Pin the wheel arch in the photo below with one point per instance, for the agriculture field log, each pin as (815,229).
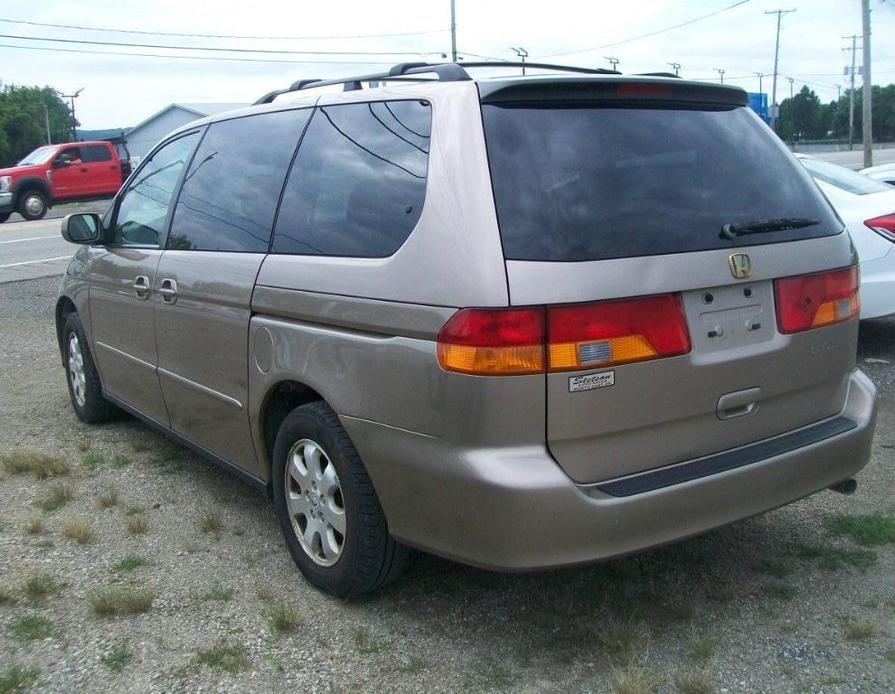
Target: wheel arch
(64,308)
(31,183)
(281,398)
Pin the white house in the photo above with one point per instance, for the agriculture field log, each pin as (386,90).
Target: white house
(145,135)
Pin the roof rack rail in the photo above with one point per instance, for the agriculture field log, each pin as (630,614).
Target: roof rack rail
(446,72)
(658,74)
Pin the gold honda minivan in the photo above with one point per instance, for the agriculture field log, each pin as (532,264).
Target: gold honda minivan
(517,321)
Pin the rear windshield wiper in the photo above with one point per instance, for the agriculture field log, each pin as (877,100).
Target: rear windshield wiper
(763,226)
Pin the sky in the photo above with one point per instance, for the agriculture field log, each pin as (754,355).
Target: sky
(122,90)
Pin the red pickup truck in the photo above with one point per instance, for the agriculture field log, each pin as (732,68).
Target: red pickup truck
(57,173)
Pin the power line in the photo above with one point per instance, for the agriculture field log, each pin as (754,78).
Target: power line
(199,57)
(221,36)
(211,48)
(649,34)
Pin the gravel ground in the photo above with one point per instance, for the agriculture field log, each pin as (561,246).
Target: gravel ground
(776,603)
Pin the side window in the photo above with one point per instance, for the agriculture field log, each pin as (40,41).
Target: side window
(229,196)
(143,207)
(359,181)
(72,153)
(93,153)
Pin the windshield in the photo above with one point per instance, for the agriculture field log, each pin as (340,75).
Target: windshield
(846,179)
(590,182)
(39,156)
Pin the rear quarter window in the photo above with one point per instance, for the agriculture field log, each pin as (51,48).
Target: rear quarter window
(94,153)
(594,183)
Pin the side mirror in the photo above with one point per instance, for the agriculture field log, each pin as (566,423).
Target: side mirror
(82,228)
(62,161)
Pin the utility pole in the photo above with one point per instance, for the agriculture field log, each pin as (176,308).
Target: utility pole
(453,31)
(676,67)
(838,92)
(74,120)
(721,71)
(867,95)
(522,53)
(612,61)
(760,76)
(851,92)
(779,14)
(47,123)
(792,112)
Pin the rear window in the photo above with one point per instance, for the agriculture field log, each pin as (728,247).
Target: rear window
(594,183)
(92,153)
(846,179)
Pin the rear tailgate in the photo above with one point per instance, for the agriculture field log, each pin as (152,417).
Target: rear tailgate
(620,189)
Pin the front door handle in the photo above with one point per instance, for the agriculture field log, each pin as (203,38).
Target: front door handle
(168,290)
(141,287)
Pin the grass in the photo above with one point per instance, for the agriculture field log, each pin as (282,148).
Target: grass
(210,523)
(119,601)
(139,446)
(633,679)
(281,618)
(57,496)
(226,656)
(773,568)
(703,647)
(869,530)
(78,530)
(17,678)
(414,666)
(219,593)
(93,461)
(366,644)
(41,465)
(859,629)
(890,655)
(836,559)
(6,596)
(34,525)
(695,682)
(108,498)
(623,637)
(136,525)
(118,657)
(781,591)
(134,510)
(129,563)
(38,586)
(119,461)
(31,628)
(264,593)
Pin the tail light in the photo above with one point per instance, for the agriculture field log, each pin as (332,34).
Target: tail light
(812,301)
(514,341)
(884,226)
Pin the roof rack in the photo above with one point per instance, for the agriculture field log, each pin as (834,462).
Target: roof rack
(445,72)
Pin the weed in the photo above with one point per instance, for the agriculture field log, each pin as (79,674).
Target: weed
(108,498)
(45,544)
(134,510)
(139,446)
(93,461)
(366,644)
(264,593)
(17,678)
(136,525)
(890,655)
(868,529)
(414,666)
(129,563)
(781,591)
(695,682)
(219,593)
(773,568)
(634,679)
(835,559)
(120,600)
(118,657)
(858,629)
(6,596)
(210,523)
(281,618)
(41,465)
(34,525)
(189,547)
(77,529)
(703,647)
(31,628)
(38,586)
(57,496)
(623,637)
(229,657)
(119,461)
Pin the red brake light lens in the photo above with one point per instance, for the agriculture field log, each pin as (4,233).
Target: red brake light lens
(884,226)
(813,301)
(493,342)
(615,332)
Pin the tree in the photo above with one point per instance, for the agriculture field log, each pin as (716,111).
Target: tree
(22,120)
(802,117)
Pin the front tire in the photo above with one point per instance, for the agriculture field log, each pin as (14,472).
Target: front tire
(33,205)
(328,510)
(84,387)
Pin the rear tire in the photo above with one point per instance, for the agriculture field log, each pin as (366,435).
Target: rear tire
(321,487)
(33,205)
(4,216)
(84,387)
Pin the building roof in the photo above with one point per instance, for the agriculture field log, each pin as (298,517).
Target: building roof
(200,109)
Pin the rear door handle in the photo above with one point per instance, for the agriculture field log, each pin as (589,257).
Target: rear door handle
(141,287)
(168,290)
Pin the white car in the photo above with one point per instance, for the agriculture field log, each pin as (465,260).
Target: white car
(883,172)
(867,207)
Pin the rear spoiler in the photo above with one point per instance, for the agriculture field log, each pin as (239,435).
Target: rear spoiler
(655,90)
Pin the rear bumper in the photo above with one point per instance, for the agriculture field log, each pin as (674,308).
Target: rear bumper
(878,286)
(515,509)
(6,202)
